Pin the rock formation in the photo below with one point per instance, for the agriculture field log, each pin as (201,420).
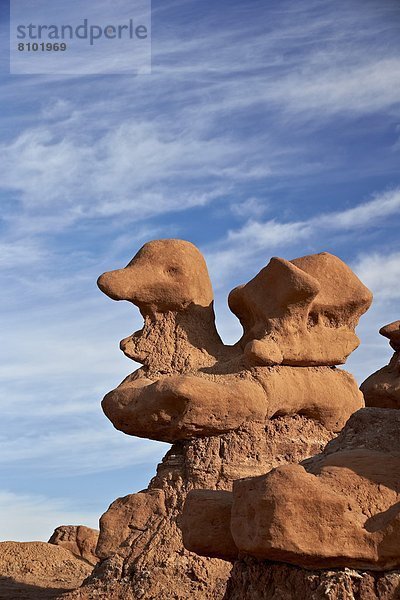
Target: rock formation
(383,387)
(301,312)
(191,381)
(236,411)
(80,540)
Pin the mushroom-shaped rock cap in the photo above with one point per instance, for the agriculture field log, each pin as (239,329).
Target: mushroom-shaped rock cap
(164,275)
(322,283)
(300,312)
(392,331)
(341,294)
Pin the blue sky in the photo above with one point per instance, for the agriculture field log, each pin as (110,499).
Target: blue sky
(265,129)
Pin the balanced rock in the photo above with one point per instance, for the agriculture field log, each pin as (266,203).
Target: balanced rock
(392,332)
(338,509)
(382,389)
(80,540)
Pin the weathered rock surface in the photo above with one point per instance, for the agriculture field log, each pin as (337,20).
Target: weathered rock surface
(206,524)
(37,570)
(255,580)
(340,508)
(301,312)
(184,406)
(382,388)
(80,540)
(127,518)
(392,332)
(151,561)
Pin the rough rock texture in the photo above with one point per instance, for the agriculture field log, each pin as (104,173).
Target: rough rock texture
(254,580)
(392,332)
(301,312)
(151,562)
(36,570)
(340,508)
(126,517)
(80,540)
(383,387)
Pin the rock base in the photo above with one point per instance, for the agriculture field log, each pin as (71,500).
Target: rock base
(253,580)
(150,561)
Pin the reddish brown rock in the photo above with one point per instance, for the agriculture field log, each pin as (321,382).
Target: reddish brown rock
(37,570)
(228,415)
(182,407)
(207,531)
(127,518)
(169,282)
(338,509)
(152,562)
(301,312)
(80,540)
(392,332)
(382,389)
(256,580)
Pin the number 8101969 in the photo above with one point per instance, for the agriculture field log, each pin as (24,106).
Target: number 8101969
(42,47)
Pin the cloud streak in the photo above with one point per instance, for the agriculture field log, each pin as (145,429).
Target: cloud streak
(29,518)
(264,237)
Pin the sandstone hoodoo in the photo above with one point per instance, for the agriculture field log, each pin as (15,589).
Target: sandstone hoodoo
(273,398)
(383,387)
(191,384)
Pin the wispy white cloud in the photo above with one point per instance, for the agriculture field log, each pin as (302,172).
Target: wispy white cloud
(372,212)
(138,168)
(88,160)
(78,451)
(381,273)
(28,517)
(21,254)
(265,237)
(251,206)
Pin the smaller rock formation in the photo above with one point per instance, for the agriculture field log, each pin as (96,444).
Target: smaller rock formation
(126,519)
(301,312)
(382,388)
(338,509)
(78,539)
